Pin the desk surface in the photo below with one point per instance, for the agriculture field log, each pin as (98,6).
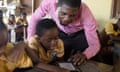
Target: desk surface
(103,67)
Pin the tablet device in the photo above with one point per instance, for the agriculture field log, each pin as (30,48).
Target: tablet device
(67,65)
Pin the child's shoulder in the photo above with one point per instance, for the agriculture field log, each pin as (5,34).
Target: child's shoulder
(9,46)
(34,38)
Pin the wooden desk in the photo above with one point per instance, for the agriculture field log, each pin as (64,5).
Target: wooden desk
(103,67)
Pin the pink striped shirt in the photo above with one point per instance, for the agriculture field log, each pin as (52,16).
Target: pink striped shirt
(85,20)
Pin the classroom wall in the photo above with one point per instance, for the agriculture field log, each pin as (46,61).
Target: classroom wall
(101,9)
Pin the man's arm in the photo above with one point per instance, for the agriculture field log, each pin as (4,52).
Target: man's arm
(40,12)
(90,27)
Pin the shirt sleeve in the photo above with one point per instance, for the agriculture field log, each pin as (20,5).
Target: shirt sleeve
(40,12)
(90,27)
(24,61)
(9,47)
(33,43)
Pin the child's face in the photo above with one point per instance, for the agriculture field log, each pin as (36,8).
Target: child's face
(49,37)
(3,41)
(23,16)
(12,18)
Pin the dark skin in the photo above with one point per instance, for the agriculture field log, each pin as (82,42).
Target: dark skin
(22,16)
(78,58)
(11,19)
(14,52)
(48,40)
(67,15)
(3,41)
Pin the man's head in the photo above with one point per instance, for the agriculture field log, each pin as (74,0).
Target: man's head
(3,38)
(47,31)
(23,15)
(68,10)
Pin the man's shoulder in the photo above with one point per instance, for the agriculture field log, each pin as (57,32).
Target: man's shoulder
(50,2)
(83,5)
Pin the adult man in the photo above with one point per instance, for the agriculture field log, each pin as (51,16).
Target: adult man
(77,27)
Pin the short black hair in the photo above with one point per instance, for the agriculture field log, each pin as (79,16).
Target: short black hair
(44,24)
(71,3)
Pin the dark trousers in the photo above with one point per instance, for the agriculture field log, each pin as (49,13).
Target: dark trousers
(73,42)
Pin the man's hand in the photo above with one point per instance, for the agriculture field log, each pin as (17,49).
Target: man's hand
(78,58)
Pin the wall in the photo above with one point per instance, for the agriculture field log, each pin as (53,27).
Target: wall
(37,3)
(101,9)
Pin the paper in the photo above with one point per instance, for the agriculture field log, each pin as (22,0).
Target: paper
(68,66)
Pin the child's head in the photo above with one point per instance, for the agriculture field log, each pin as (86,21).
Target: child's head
(47,31)
(12,18)
(3,37)
(23,15)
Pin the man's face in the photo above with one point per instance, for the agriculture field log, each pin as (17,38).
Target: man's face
(3,41)
(67,14)
(49,37)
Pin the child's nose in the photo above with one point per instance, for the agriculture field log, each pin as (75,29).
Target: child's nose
(53,44)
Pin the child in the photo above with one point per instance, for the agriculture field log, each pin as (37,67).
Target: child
(113,30)
(22,19)
(11,27)
(46,46)
(11,57)
(16,31)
